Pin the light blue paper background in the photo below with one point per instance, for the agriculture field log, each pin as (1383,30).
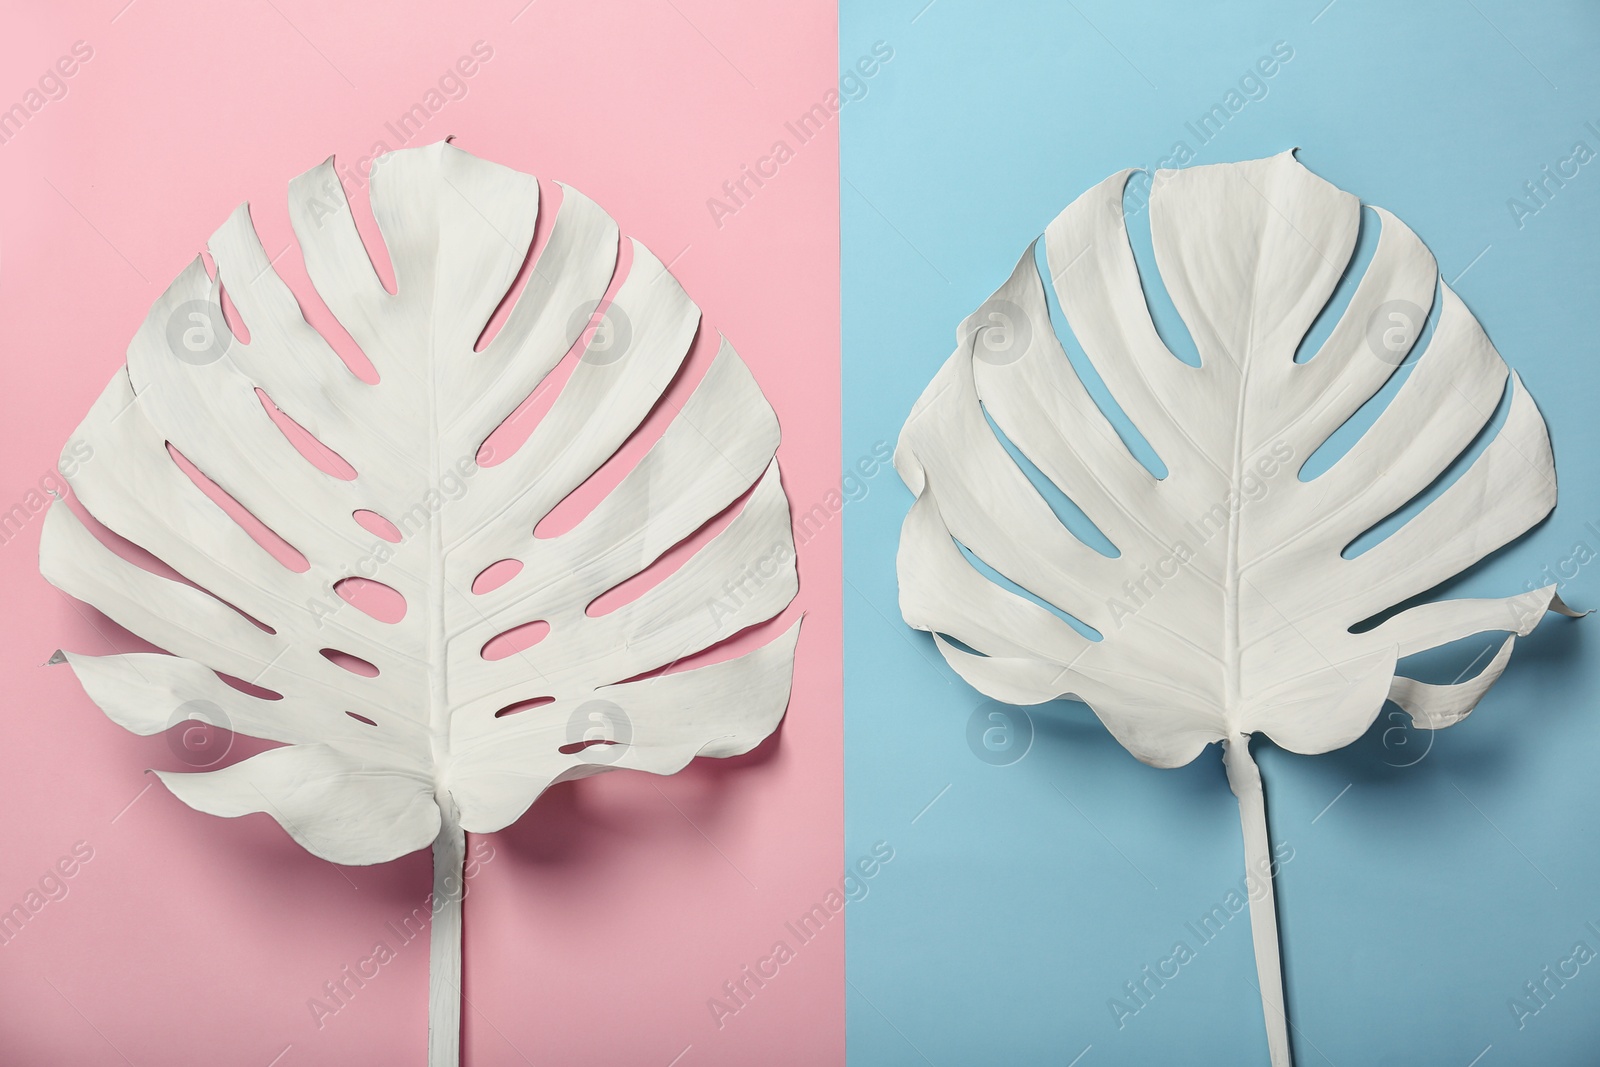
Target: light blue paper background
(1025,896)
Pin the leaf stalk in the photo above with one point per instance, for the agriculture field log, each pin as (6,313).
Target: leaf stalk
(444,938)
(1244,778)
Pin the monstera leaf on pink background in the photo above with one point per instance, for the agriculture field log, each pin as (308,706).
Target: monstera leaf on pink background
(453,692)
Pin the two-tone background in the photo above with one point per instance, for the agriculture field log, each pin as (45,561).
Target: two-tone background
(907,153)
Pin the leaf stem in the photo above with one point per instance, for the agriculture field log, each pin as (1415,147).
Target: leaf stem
(1244,777)
(444,939)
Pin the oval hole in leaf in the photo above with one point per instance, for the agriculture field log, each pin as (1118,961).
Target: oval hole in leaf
(731,647)
(524,705)
(667,564)
(1367,233)
(231,316)
(495,575)
(369,230)
(1067,617)
(1067,511)
(575,507)
(142,559)
(549,208)
(353,664)
(360,718)
(1132,437)
(374,523)
(249,688)
(315,452)
(383,602)
(517,639)
(291,268)
(260,532)
(1171,328)
(251,619)
(514,431)
(1391,523)
(1343,439)
(578,746)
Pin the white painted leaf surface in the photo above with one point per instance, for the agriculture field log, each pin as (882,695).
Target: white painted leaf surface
(457,229)
(1226,606)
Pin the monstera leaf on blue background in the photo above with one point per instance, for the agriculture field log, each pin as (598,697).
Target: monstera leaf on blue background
(1225,602)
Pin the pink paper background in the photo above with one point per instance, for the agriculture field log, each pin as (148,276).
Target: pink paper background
(620,904)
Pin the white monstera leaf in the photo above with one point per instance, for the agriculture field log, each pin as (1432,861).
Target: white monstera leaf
(1228,607)
(430,739)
